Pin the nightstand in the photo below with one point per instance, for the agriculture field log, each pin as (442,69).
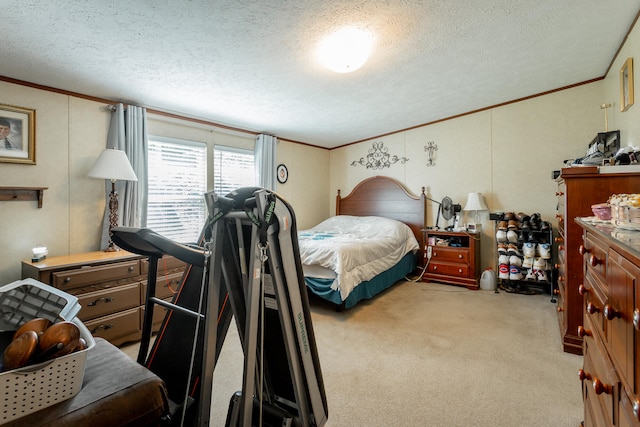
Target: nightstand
(455,257)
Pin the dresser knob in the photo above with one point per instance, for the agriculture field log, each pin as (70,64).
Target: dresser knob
(599,387)
(583,375)
(559,239)
(561,279)
(556,291)
(594,261)
(610,313)
(460,256)
(67,279)
(582,250)
(561,247)
(459,270)
(435,267)
(556,265)
(131,268)
(582,289)
(636,409)
(559,216)
(559,193)
(636,319)
(582,332)
(560,309)
(592,309)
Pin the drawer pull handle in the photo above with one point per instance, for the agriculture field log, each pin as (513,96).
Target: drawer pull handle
(435,267)
(131,268)
(105,327)
(582,289)
(459,270)
(599,387)
(460,256)
(67,279)
(636,319)
(93,303)
(592,309)
(582,250)
(583,375)
(594,261)
(582,332)
(610,313)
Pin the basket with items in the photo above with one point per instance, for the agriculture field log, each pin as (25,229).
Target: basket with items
(44,347)
(625,211)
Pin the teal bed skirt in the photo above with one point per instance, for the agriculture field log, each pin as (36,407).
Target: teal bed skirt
(365,290)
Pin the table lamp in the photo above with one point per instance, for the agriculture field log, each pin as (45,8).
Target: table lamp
(475,203)
(113,165)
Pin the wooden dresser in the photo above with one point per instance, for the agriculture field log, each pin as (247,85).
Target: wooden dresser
(110,287)
(611,329)
(578,189)
(457,265)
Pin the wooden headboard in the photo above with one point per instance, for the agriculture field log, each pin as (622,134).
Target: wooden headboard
(388,198)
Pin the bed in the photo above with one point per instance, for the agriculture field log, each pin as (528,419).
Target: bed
(337,269)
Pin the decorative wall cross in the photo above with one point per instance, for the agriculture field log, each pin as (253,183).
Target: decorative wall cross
(379,157)
(430,148)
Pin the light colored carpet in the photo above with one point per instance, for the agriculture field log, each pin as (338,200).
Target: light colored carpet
(433,355)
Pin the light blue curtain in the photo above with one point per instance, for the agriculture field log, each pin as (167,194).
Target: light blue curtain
(128,132)
(265,161)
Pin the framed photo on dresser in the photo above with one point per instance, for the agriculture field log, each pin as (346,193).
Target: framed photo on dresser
(17,135)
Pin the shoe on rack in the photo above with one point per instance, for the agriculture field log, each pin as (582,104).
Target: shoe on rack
(525,225)
(509,215)
(502,248)
(544,249)
(503,259)
(540,263)
(515,260)
(541,276)
(531,274)
(545,226)
(528,262)
(501,236)
(515,273)
(513,249)
(512,236)
(502,225)
(529,249)
(503,271)
(512,225)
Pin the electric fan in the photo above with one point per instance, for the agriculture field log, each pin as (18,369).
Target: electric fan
(447,208)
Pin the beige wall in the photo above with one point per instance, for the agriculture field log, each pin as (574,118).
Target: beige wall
(70,134)
(506,153)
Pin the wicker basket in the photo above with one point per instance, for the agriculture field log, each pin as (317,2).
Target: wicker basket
(35,387)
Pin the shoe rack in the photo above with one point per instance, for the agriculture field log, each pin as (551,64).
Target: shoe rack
(525,253)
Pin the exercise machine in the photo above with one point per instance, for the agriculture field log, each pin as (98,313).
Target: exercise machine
(246,266)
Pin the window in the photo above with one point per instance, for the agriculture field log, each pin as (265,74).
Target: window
(177,183)
(232,169)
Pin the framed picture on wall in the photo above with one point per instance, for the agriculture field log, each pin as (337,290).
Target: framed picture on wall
(17,135)
(626,85)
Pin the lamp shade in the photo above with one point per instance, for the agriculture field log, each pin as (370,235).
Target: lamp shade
(114,165)
(475,203)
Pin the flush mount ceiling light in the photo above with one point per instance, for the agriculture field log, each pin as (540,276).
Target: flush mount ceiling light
(345,50)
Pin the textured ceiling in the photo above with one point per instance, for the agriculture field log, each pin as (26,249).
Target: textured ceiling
(250,64)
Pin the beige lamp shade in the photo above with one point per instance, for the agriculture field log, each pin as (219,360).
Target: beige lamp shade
(114,165)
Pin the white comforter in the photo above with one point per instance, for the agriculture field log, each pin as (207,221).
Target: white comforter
(356,248)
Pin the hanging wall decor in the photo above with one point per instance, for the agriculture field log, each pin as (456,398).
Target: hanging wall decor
(379,157)
(17,135)
(430,148)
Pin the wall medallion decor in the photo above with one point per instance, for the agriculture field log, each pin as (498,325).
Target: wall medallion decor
(17,135)
(379,157)
(626,85)
(282,173)
(430,148)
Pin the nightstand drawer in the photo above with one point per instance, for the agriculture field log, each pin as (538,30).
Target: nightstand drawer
(102,303)
(449,269)
(450,254)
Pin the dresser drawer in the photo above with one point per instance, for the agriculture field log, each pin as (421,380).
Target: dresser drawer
(80,277)
(594,305)
(117,328)
(449,269)
(595,254)
(102,303)
(601,384)
(450,254)
(166,286)
(166,264)
(159,312)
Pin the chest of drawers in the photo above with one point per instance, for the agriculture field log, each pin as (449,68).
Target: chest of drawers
(611,326)
(458,263)
(111,288)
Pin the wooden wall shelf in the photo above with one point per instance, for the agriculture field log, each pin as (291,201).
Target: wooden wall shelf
(22,193)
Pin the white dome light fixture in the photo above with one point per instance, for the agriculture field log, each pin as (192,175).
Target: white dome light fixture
(345,50)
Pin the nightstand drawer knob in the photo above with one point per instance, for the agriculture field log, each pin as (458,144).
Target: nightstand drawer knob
(460,256)
(459,270)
